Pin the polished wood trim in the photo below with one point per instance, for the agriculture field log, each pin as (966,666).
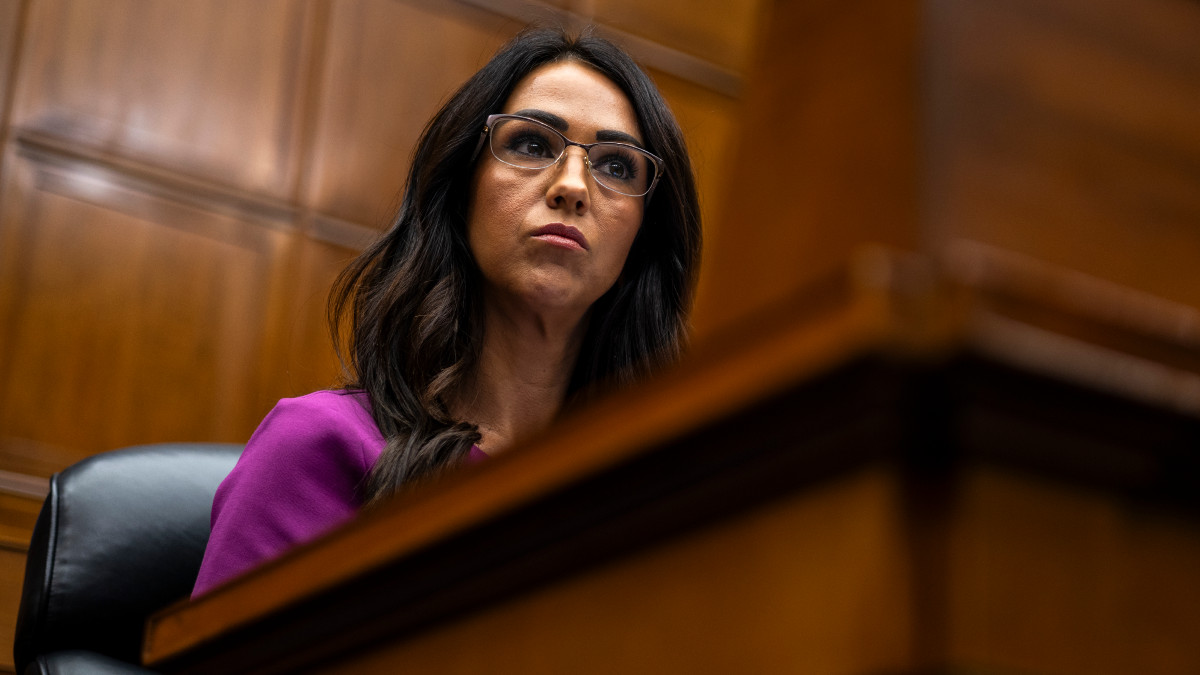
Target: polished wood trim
(657,56)
(11,64)
(14,545)
(31,457)
(339,232)
(24,485)
(49,152)
(648,53)
(998,271)
(1089,330)
(1040,350)
(316,35)
(69,168)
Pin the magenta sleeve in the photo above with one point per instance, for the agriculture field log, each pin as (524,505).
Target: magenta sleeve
(299,476)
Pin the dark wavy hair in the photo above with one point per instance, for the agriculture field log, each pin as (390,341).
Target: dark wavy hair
(406,314)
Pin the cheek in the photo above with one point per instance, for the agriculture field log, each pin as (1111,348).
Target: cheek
(493,214)
(627,224)
(624,223)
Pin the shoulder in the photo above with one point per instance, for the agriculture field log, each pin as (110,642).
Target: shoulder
(310,454)
(324,412)
(325,426)
(298,477)
(321,443)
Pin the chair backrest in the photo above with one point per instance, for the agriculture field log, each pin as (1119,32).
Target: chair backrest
(120,536)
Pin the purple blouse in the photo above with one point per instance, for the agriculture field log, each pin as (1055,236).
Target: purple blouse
(297,479)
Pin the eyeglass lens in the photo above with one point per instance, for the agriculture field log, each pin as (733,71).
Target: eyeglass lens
(532,145)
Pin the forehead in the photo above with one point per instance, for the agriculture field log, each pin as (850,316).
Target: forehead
(587,100)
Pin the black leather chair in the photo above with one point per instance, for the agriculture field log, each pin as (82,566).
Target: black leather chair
(120,536)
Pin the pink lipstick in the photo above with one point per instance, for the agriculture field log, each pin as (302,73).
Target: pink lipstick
(561,235)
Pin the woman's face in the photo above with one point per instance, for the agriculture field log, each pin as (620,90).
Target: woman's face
(552,241)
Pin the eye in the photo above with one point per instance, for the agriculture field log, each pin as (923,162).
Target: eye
(530,144)
(616,163)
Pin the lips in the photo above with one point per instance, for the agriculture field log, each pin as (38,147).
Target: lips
(561,235)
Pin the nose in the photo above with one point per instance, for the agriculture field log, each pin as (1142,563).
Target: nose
(569,185)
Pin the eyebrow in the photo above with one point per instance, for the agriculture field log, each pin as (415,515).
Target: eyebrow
(604,135)
(543,116)
(620,136)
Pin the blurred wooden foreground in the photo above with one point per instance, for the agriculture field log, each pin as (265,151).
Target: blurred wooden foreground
(942,415)
(181,180)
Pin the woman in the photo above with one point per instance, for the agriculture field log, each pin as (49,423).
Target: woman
(546,247)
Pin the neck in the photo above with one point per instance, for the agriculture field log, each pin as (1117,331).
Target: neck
(521,379)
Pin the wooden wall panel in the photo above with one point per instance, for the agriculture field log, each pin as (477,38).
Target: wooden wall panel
(299,358)
(388,66)
(1064,132)
(833,111)
(207,88)
(1068,132)
(125,326)
(710,122)
(10,16)
(17,514)
(718,31)
(12,573)
(19,510)
(1054,579)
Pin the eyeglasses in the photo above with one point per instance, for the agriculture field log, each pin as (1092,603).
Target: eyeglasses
(529,144)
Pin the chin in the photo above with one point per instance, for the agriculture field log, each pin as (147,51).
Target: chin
(553,299)
(557,295)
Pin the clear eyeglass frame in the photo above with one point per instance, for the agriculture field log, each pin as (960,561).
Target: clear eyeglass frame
(655,162)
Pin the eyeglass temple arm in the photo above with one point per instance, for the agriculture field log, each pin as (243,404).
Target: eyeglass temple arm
(479,145)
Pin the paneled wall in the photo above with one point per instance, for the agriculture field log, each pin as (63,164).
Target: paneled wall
(181,181)
(992,133)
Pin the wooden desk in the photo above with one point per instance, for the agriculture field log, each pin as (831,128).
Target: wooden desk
(873,482)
